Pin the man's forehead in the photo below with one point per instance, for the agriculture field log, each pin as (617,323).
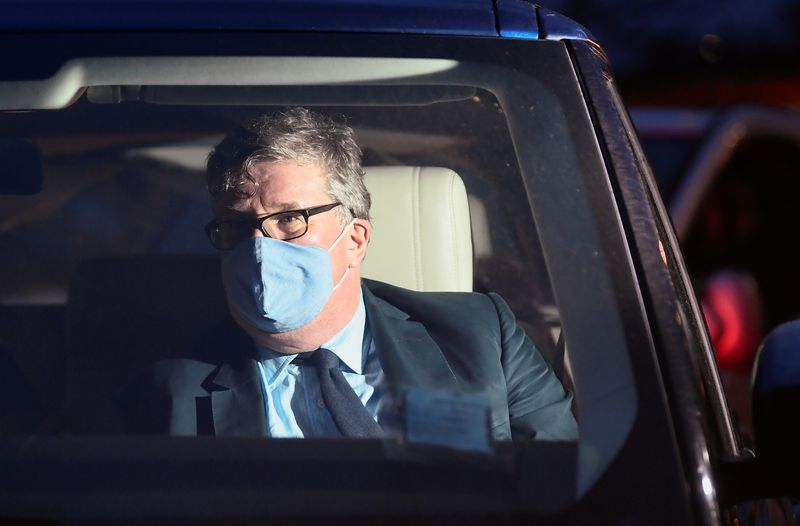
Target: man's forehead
(285,181)
(297,168)
(275,186)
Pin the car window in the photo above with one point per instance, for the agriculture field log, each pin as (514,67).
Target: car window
(108,267)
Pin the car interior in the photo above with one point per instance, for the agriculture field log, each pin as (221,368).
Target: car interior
(110,268)
(111,253)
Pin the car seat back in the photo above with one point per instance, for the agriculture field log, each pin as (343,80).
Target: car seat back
(421,229)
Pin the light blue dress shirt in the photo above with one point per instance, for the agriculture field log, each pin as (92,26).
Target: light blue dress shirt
(292,394)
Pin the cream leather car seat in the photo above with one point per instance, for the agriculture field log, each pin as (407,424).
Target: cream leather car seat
(421,236)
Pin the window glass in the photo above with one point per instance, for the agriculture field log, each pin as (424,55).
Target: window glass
(108,269)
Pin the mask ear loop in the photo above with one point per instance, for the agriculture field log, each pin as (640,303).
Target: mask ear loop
(341,235)
(347,270)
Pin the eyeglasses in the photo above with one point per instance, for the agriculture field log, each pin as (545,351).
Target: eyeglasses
(291,224)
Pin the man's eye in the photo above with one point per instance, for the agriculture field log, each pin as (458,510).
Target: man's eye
(288,218)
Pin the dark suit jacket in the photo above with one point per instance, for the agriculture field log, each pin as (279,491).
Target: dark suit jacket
(463,342)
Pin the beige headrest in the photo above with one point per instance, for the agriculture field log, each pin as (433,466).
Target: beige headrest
(421,235)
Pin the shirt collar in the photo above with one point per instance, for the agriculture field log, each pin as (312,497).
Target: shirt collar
(347,344)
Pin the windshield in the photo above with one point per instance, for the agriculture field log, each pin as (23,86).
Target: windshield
(130,290)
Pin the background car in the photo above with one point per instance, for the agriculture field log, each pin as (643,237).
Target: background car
(717,118)
(729,176)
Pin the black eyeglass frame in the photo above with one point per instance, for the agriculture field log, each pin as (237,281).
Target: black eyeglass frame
(258,222)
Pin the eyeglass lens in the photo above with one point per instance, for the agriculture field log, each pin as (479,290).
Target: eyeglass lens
(284,226)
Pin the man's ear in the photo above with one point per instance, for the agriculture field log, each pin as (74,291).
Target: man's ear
(358,242)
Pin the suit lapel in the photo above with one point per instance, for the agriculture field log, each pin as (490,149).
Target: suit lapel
(235,406)
(237,400)
(408,354)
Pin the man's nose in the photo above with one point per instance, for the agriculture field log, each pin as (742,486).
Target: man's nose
(256,232)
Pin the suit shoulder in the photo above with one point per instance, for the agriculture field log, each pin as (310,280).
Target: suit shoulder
(411,301)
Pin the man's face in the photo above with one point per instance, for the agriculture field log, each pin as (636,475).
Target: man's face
(286,186)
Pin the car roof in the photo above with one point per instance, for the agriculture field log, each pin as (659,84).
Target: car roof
(480,18)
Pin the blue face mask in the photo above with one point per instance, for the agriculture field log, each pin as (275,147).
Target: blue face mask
(277,286)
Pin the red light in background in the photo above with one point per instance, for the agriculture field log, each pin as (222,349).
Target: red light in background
(733,312)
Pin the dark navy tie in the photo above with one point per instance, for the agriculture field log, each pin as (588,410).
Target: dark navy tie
(349,414)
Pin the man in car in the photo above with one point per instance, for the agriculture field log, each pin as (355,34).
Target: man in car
(335,355)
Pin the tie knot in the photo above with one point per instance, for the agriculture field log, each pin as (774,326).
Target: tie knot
(324,359)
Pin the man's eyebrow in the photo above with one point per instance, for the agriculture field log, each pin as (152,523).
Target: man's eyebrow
(273,208)
(282,207)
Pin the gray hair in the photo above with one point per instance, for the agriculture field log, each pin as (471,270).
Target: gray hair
(297,135)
